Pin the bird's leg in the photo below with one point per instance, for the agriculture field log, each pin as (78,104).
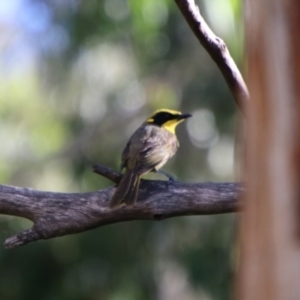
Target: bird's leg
(170,177)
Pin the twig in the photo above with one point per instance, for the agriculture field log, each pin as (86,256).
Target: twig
(218,51)
(58,214)
(108,173)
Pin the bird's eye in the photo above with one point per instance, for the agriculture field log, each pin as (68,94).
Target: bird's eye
(168,116)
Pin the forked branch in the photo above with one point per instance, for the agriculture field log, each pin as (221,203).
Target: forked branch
(58,214)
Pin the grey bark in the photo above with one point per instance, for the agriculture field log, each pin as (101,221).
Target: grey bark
(58,214)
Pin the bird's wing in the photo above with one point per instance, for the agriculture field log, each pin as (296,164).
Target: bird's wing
(149,148)
(154,157)
(125,155)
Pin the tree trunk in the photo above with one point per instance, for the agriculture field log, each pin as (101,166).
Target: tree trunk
(270,226)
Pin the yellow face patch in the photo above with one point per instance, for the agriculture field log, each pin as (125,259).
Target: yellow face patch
(167,119)
(171,125)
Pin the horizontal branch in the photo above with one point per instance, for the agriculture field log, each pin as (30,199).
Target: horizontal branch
(58,214)
(218,51)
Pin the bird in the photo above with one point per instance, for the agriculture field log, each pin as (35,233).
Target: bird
(148,149)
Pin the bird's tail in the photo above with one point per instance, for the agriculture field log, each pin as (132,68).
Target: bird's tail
(127,189)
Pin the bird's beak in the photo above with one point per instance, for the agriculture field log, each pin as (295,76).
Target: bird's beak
(184,116)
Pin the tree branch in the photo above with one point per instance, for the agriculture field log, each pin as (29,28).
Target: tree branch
(58,214)
(218,51)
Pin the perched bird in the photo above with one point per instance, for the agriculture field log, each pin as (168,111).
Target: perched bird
(148,149)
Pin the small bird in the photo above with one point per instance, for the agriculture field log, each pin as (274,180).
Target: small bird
(148,149)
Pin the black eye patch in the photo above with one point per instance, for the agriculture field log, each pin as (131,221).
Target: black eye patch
(162,118)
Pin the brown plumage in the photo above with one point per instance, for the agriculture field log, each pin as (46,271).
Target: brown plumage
(148,149)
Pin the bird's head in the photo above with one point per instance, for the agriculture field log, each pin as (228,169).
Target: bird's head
(167,118)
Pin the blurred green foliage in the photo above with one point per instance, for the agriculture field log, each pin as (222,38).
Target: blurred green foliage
(77,78)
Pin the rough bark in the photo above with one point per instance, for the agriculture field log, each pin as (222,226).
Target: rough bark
(57,214)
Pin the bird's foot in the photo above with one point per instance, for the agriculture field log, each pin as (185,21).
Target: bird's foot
(170,177)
